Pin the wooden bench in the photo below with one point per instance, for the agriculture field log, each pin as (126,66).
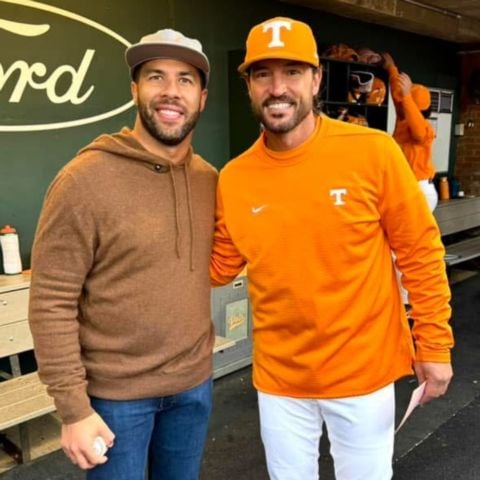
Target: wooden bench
(459,216)
(22,396)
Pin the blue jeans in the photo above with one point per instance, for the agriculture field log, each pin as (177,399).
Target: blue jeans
(167,433)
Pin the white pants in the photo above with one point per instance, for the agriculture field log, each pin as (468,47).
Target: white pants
(360,430)
(430,193)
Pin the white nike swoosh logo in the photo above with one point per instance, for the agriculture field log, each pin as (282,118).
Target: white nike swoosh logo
(256,210)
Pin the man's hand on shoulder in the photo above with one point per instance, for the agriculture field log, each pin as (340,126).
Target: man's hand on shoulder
(78,441)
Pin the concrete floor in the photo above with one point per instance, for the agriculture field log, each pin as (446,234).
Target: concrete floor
(426,447)
(440,441)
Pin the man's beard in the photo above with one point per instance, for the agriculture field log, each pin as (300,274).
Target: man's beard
(271,125)
(167,138)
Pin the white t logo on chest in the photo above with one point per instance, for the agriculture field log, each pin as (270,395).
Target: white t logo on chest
(338,194)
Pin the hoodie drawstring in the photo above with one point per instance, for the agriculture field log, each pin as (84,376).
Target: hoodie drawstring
(177,220)
(190,214)
(126,145)
(190,217)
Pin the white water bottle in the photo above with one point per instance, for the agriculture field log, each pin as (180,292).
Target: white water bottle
(12,262)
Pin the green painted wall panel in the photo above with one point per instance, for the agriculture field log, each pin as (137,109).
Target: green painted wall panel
(29,160)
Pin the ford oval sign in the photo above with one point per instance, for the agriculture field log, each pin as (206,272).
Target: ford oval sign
(60,69)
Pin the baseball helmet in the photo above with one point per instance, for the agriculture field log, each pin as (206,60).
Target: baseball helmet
(360,85)
(367,55)
(346,116)
(341,52)
(357,120)
(378,92)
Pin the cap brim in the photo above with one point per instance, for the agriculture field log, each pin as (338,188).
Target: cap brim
(270,56)
(138,54)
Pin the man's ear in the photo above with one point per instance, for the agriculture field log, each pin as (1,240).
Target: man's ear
(317,80)
(246,77)
(134,92)
(203,99)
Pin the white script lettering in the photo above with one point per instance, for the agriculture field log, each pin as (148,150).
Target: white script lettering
(28,73)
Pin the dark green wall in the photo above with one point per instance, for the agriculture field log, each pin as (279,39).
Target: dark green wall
(29,160)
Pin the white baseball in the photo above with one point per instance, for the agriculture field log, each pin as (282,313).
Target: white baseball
(100,446)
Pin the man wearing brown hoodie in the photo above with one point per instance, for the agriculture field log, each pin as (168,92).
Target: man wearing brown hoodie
(120,293)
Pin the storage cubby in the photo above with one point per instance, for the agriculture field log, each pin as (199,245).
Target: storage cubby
(336,86)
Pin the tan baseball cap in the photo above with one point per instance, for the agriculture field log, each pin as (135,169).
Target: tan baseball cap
(280,38)
(168,43)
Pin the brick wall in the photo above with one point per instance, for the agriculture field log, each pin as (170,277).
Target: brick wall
(467,163)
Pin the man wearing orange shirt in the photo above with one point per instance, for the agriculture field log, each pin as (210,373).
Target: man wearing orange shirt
(413,132)
(314,208)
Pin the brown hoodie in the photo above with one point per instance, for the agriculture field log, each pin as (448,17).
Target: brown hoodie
(120,292)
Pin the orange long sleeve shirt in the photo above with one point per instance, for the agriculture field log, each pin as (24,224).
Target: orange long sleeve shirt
(413,133)
(315,226)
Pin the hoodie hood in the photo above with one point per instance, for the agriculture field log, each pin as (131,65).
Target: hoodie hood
(124,144)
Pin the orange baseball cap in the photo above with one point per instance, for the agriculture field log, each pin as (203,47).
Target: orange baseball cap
(421,96)
(280,38)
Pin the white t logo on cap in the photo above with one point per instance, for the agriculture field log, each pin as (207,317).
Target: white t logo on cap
(275,26)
